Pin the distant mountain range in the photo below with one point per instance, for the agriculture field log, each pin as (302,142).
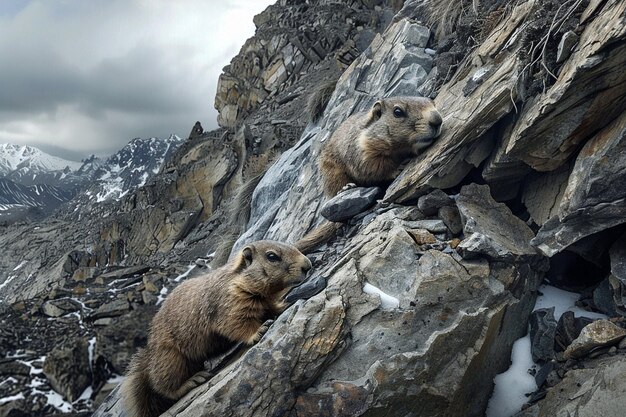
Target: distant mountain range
(33,183)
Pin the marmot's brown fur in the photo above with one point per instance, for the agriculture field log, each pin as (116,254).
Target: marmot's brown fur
(206,315)
(368,148)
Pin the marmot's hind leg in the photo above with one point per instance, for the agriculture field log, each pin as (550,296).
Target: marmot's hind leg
(173,375)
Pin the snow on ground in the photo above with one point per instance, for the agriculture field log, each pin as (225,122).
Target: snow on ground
(161,296)
(20,265)
(164,290)
(7,281)
(90,349)
(387,301)
(511,387)
(184,274)
(4,400)
(53,398)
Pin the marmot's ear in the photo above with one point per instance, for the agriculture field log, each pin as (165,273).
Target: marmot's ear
(376,112)
(245,258)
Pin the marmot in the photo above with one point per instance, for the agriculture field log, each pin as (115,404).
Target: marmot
(203,317)
(368,147)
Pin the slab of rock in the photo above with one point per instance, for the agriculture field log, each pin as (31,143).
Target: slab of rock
(125,272)
(58,308)
(117,307)
(568,329)
(349,203)
(597,334)
(588,205)
(433,226)
(422,236)
(68,369)
(567,43)
(430,203)
(542,331)
(489,227)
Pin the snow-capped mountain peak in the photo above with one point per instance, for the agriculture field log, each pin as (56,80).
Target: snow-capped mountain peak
(32,160)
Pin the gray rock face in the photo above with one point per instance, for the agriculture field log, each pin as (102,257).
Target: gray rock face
(588,205)
(349,203)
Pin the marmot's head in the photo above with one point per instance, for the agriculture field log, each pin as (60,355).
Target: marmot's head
(403,124)
(267,267)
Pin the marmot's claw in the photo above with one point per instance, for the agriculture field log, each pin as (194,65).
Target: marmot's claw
(262,330)
(348,186)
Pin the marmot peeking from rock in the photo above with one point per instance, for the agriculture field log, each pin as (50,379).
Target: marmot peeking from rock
(206,315)
(368,147)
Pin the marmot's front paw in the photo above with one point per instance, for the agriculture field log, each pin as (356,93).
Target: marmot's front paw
(262,330)
(201,377)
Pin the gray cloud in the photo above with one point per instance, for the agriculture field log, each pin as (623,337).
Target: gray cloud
(85,77)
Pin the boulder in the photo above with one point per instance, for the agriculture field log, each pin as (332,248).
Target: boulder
(68,369)
(349,203)
(490,228)
(597,334)
(430,203)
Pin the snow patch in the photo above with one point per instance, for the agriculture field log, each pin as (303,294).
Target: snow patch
(509,394)
(562,301)
(387,301)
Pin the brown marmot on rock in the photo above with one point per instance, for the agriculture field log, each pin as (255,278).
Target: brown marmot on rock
(368,147)
(203,317)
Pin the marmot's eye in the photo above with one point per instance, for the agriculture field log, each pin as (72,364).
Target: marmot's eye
(398,112)
(272,257)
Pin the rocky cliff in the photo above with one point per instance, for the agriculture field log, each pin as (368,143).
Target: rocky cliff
(413,306)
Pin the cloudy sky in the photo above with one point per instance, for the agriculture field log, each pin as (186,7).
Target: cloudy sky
(80,77)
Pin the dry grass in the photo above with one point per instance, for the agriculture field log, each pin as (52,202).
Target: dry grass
(444,15)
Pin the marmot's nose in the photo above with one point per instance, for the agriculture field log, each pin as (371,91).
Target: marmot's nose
(307,266)
(435,120)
